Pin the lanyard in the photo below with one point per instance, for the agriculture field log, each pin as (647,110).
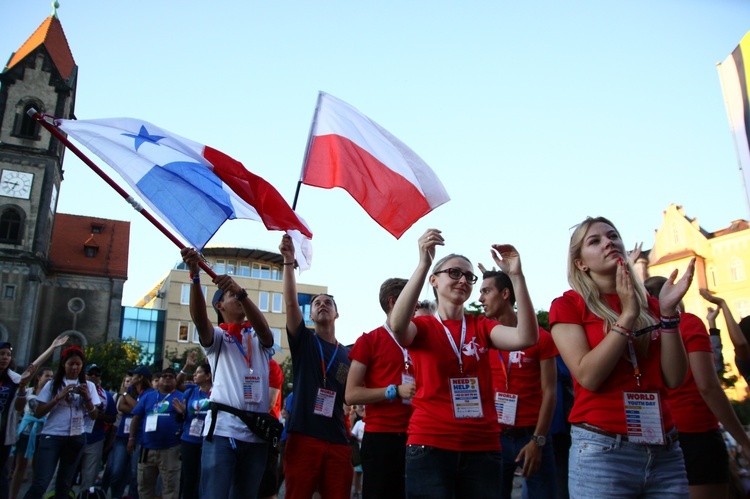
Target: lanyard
(407,359)
(506,371)
(159,401)
(322,359)
(248,355)
(452,342)
(634,362)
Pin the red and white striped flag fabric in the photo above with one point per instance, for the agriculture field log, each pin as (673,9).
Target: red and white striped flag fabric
(347,149)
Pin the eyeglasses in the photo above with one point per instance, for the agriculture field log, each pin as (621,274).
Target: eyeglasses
(455,274)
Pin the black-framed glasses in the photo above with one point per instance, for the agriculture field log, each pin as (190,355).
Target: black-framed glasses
(456,273)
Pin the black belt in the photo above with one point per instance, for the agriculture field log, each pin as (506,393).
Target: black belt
(669,438)
(518,431)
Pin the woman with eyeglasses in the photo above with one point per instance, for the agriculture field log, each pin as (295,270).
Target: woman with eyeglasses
(623,349)
(66,400)
(453,445)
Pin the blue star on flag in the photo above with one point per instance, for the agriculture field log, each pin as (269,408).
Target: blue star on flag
(143,136)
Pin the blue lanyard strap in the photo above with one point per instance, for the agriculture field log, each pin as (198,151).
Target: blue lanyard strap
(322,359)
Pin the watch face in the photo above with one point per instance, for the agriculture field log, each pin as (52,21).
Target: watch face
(540,440)
(16,184)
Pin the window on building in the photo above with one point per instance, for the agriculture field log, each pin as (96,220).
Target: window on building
(737,270)
(183,328)
(743,308)
(276,332)
(26,126)
(185,293)
(244,269)
(263,301)
(11,222)
(231,267)
(276,305)
(220,267)
(276,274)
(304,304)
(91,251)
(96,228)
(9,292)
(261,271)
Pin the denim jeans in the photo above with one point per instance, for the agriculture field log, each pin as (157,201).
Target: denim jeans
(190,476)
(122,469)
(540,485)
(53,449)
(231,468)
(445,474)
(600,464)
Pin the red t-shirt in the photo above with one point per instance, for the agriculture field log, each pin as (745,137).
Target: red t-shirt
(523,370)
(433,422)
(691,414)
(275,380)
(605,407)
(384,359)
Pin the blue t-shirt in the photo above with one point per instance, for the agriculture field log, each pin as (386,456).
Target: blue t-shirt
(100,427)
(123,429)
(308,378)
(196,403)
(154,404)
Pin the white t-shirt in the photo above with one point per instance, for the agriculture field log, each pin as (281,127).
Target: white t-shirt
(67,417)
(232,378)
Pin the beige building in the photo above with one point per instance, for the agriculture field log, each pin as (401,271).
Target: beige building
(258,271)
(722,264)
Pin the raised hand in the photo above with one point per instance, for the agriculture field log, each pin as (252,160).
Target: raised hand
(635,253)
(625,290)
(286,248)
(673,291)
(192,259)
(179,406)
(427,243)
(712,314)
(507,258)
(710,297)
(60,341)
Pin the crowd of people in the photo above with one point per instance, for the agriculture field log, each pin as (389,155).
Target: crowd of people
(620,395)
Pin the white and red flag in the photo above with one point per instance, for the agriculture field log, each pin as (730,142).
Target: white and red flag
(347,149)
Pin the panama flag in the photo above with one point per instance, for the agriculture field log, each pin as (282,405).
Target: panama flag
(347,149)
(734,72)
(192,187)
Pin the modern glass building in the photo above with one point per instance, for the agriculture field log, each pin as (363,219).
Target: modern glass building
(146,326)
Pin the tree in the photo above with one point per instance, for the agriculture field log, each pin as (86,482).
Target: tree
(177,359)
(542,317)
(286,368)
(474,308)
(116,358)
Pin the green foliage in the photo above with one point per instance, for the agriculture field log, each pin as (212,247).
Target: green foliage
(542,317)
(177,359)
(116,358)
(286,368)
(742,409)
(474,308)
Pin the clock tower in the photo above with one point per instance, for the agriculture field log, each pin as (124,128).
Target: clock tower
(42,75)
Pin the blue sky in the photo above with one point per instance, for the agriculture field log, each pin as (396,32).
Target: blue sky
(534,115)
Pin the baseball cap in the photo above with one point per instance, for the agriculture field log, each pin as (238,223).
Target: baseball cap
(141,371)
(216,299)
(93,367)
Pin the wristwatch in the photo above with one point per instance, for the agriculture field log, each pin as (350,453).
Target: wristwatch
(539,440)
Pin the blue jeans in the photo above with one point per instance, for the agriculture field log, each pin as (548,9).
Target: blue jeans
(445,474)
(122,468)
(600,464)
(53,449)
(540,485)
(232,468)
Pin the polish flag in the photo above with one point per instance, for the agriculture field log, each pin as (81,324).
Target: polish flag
(347,149)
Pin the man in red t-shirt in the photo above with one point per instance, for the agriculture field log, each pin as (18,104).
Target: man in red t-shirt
(381,377)
(270,481)
(525,383)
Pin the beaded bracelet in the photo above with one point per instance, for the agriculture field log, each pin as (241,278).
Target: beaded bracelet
(195,278)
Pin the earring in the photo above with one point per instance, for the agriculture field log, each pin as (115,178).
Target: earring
(585,269)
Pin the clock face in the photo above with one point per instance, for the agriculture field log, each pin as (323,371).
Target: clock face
(16,184)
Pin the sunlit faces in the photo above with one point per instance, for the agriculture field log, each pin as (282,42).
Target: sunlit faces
(5,357)
(323,308)
(449,288)
(491,299)
(601,249)
(200,376)
(73,367)
(229,305)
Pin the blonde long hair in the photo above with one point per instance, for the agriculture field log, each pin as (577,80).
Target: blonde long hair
(584,285)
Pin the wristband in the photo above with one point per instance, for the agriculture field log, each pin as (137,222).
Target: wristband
(195,278)
(391,393)
(288,263)
(714,331)
(183,372)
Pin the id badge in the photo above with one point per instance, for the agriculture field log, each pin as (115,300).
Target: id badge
(406,378)
(506,405)
(643,418)
(88,424)
(152,420)
(196,428)
(251,387)
(126,425)
(324,402)
(76,425)
(467,402)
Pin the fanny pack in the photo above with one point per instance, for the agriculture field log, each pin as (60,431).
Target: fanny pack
(262,424)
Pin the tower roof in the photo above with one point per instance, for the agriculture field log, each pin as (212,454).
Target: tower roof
(50,35)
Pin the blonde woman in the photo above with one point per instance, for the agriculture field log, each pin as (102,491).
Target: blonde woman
(623,349)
